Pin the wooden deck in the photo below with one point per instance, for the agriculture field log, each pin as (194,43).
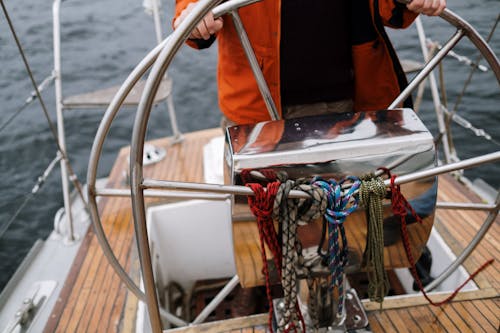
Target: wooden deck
(94,300)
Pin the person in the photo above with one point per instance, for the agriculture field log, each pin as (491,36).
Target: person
(317,57)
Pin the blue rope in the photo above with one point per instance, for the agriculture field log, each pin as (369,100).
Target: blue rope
(339,207)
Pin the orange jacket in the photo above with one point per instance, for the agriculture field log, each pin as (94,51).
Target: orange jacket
(377,73)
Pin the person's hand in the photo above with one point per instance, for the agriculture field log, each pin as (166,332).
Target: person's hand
(208,26)
(427,7)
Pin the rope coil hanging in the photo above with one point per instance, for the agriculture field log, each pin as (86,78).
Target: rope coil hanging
(339,207)
(327,199)
(372,192)
(290,213)
(261,205)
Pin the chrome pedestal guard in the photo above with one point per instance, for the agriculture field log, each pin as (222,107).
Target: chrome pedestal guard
(168,49)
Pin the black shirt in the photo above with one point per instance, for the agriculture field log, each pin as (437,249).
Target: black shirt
(315,51)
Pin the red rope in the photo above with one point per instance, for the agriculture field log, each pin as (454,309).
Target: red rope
(400,207)
(261,206)
(246,176)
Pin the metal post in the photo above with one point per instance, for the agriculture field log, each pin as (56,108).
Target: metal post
(254,64)
(60,119)
(233,283)
(429,66)
(465,164)
(157,21)
(435,94)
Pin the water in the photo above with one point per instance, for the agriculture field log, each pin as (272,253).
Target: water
(102,42)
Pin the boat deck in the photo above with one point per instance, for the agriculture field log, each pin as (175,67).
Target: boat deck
(94,300)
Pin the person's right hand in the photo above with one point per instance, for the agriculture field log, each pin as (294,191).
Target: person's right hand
(427,7)
(208,26)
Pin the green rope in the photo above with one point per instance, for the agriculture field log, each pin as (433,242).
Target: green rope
(372,192)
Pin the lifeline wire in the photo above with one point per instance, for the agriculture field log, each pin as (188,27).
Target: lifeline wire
(31,195)
(27,102)
(72,176)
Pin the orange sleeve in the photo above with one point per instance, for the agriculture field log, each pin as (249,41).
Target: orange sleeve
(180,5)
(395,14)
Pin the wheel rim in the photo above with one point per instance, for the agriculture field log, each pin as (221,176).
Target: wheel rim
(162,56)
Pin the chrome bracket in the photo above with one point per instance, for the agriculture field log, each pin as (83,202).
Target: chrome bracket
(355,319)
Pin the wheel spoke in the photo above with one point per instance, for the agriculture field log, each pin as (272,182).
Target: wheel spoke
(429,66)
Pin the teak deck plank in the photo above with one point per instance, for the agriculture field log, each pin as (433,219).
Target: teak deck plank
(440,315)
(436,321)
(93,298)
(409,321)
(375,324)
(396,320)
(453,317)
(385,321)
(426,320)
(105,289)
(485,307)
(459,319)
(474,313)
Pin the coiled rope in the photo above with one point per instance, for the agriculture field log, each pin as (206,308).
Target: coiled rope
(372,192)
(290,213)
(339,207)
(261,205)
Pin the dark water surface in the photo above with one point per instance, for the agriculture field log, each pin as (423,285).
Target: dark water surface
(101,43)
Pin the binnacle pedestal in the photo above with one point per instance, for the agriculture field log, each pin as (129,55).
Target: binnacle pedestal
(335,147)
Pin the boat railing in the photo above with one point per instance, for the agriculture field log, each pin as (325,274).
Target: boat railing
(56,6)
(57,133)
(94,100)
(159,60)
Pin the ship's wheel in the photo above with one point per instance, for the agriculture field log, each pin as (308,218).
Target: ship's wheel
(159,59)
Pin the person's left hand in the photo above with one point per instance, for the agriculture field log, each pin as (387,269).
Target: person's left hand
(427,7)
(207,27)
